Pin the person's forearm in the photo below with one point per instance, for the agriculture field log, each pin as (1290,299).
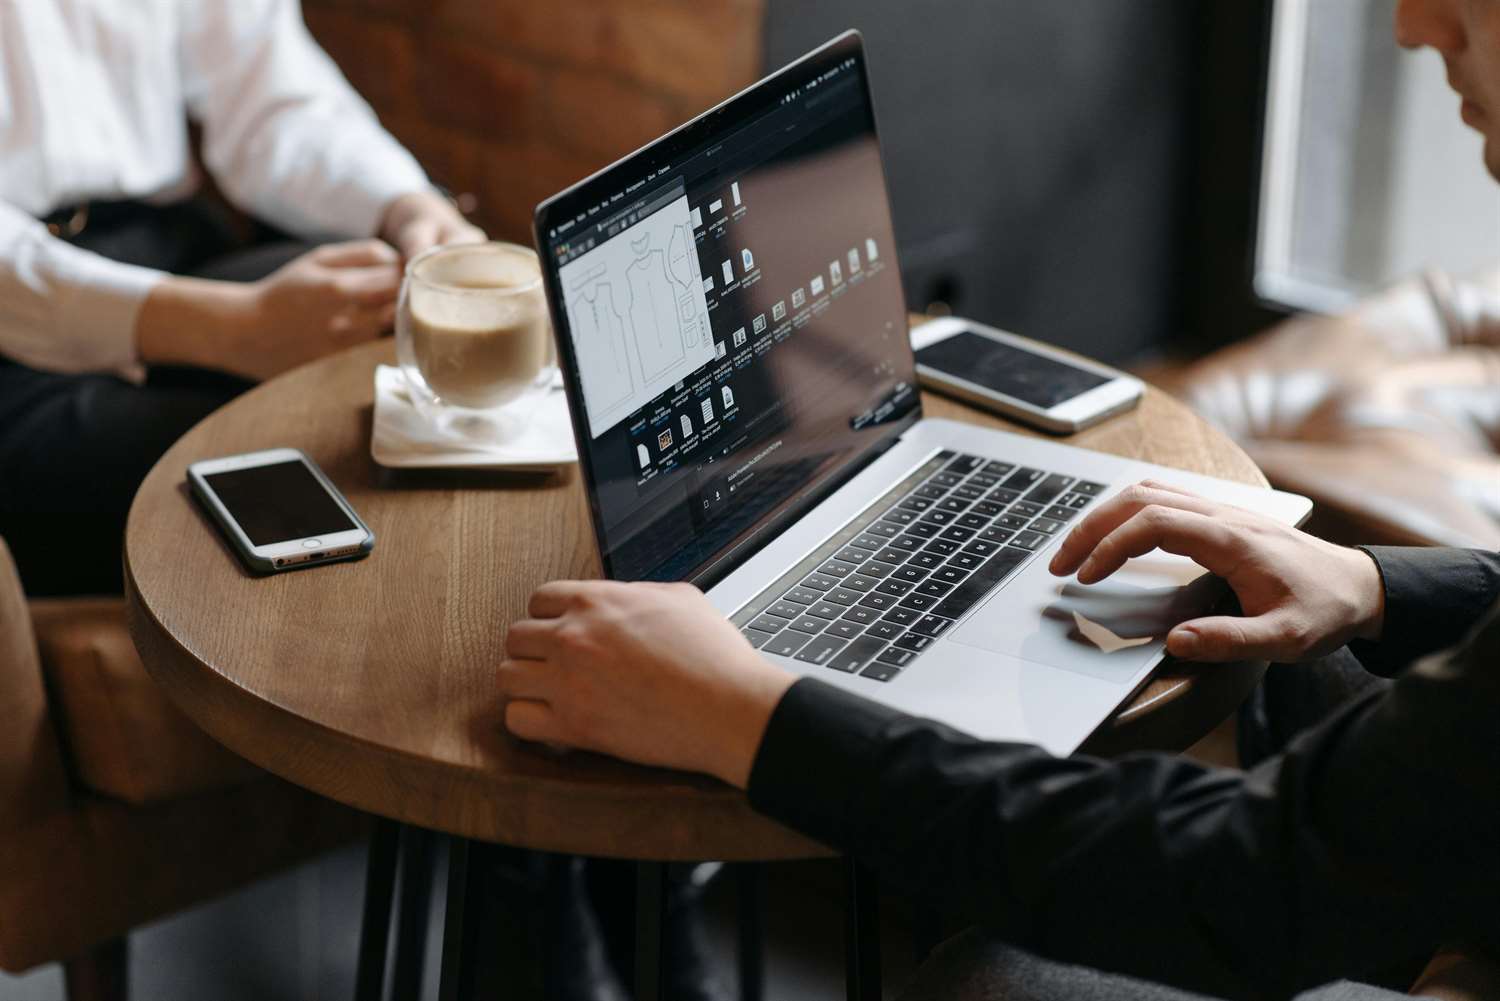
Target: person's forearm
(191,322)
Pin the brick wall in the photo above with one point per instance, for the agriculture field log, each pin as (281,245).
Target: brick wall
(512,100)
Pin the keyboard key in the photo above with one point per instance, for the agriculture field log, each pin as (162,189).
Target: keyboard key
(822,610)
(808,625)
(950,575)
(965,561)
(1011,521)
(1046,526)
(945,480)
(819,582)
(882,528)
(908,543)
(896,656)
(757,638)
(880,672)
(1059,513)
(851,555)
(915,642)
(934,588)
(910,573)
(844,629)
(941,546)
(786,610)
(902,616)
(897,588)
(922,529)
(884,630)
(930,491)
(862,615)
(955,504)
(996,534)
(931,625)
(938,517)
(918,602)
(981,548)
(1075,501)
(984,580)
(974,521)
(1000,495)
(1026,509)
(1028,540)
(769,624)
(859,582)
(988,508)
(1085,487)
(888,555)
(843,596)
(1048,490)
(898,516)
(998,468)
(876,568)
(820,649)
(802,595)
(981,480)
(925,559)
(867,541)
(957,534)
(785,644)
(878,601)
(969,492)
(834,568)
(1023,478)
(964,464)
(918,504)
(856,655)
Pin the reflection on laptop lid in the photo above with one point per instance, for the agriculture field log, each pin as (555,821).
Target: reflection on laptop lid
(730,320)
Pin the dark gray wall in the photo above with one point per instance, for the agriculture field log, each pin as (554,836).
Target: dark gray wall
(1037,153)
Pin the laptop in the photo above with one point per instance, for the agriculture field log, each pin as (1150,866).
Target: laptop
(734,344)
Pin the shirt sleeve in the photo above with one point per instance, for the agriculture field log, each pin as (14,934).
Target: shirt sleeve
(1434,595)
(1348,853)
(284,133)
(65,309)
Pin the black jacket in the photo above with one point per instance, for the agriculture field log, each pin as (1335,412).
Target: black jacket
(1375,835)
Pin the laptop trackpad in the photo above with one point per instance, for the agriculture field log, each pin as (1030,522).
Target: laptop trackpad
(1107,630)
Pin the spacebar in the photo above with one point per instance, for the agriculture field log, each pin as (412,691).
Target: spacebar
(981,582)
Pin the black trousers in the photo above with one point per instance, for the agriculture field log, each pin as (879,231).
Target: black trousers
(74,448)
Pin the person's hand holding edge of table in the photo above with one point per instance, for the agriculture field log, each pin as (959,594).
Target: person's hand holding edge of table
(654,673)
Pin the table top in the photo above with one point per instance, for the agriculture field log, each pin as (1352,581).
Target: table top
(372,682)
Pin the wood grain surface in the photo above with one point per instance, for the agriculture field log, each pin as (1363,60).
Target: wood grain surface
(372,682)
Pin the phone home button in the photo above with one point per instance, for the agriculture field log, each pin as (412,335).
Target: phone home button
(311,543)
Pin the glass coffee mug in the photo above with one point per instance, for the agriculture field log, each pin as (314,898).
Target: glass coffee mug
(473,337)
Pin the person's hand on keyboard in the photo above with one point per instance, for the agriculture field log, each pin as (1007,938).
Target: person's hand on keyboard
(647,672)
(1301,597)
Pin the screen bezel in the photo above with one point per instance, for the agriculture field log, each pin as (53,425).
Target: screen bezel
(199,472)
(664,152)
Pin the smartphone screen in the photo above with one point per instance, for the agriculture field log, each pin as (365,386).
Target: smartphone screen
(278,503)
(1043,382)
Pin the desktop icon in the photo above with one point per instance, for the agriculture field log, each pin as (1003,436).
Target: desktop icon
(835,272)
(728,272)
(871,254)
(778,311)
(687,426)
(798,298)
(739,337)
(854,260)
(734,192)
(760,324)
(728,395)
(707,406)
(642,456)
(664,440)
(747,259)
(719,351)
(816,285)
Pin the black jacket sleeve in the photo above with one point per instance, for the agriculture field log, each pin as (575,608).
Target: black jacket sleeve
(1374,838)
(1433,598)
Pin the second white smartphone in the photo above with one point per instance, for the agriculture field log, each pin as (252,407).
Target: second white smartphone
(1019,378)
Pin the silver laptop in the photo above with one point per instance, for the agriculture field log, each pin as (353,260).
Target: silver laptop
(733,338)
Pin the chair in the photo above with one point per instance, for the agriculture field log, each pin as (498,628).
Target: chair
(115,810)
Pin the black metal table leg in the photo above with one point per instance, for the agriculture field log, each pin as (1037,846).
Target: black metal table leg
(861,933)
(460,924)
(650,917)
(411,912)
(750,884)
(375,924)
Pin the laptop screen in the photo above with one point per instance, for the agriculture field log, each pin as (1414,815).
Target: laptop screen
(730,318)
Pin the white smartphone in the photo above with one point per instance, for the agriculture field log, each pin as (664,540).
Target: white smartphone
(1018,378)
(278,510)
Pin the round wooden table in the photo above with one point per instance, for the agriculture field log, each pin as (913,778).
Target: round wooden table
(372,682)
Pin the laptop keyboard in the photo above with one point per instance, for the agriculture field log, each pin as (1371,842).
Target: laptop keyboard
(884,587)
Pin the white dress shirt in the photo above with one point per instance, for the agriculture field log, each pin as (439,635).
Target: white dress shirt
(94,101)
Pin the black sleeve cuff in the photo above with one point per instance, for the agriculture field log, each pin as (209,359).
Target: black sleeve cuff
(817,754)
(1433,597)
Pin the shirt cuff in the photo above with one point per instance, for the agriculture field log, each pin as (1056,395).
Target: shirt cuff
(817,755)
(1433,597)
